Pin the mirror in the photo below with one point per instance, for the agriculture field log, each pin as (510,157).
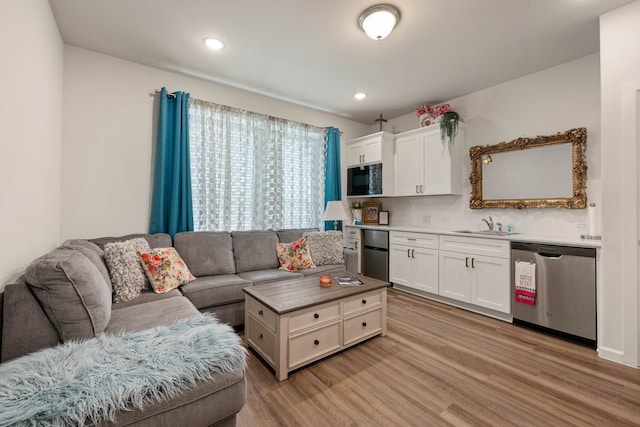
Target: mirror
(541,172)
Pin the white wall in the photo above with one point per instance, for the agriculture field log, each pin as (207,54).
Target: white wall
(543,103)
(108,133)
(30,122)
(620,63)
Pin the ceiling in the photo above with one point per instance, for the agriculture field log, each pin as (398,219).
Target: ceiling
(312,53)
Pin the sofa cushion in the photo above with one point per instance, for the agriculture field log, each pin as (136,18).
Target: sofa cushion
(145,297)
(157,240)
(325,269)
(292,234)
(209,291)
(125,269)
(163,312)
(75,243)
(260,277)
(72,291)
(165,269)
(325,247)
(93,252)
(206,253)
(294,256)
(255,250)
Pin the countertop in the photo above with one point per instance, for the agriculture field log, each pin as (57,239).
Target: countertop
(524,237)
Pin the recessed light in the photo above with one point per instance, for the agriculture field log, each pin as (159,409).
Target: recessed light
(360,96)
(213,44)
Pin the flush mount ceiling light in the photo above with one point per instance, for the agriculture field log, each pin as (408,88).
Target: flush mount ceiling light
(378,21)
(360,96)
(213,44)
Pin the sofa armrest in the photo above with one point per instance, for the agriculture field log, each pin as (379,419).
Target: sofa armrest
(25,327)
(351,260)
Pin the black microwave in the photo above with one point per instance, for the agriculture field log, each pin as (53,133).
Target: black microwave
(364,180)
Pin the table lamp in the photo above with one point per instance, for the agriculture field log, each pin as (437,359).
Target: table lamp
(335,212)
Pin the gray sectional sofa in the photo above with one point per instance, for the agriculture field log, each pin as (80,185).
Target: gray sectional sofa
(46,306)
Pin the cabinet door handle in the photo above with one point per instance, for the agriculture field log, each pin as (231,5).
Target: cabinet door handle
(364,301)
(364,324)
(413,253)
(356,245)
(260,312)
(316,342)
(421,188)
(408,253)
(260,337)
(473,263)
(316,315)
(417,186)
(466,262)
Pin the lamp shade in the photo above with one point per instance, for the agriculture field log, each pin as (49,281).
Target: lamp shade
(378,21)
(335,212)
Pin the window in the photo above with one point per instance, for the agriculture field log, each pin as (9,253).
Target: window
(250,171)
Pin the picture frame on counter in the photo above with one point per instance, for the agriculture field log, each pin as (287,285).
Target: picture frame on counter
(383,218)
(370,212)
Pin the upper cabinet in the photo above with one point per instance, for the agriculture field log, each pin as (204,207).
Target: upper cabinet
(370,165)
(374,148)
(425,166)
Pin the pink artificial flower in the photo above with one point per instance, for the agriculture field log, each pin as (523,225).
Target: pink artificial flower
(424,109)
(441,109)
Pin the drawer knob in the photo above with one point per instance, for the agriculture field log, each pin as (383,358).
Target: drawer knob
(364,324)
(260,312)
(364,301)
(316,342)
(260,337)
(315,316)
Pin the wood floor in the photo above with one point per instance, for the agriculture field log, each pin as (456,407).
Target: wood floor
(439,366)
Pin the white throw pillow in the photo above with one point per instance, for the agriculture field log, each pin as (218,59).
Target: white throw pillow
(325,247)
(125,269)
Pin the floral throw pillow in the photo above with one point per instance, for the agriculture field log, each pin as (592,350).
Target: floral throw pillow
(294,256)
(127,276)
(165,269)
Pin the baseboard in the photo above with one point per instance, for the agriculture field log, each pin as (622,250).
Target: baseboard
(611,354)
(505,317)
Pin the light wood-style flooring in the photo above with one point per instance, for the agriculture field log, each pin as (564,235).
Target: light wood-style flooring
(439,365)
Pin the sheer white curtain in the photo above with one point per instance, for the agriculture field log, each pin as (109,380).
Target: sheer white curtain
(254,172)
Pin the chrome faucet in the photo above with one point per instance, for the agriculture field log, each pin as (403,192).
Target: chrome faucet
(489,223)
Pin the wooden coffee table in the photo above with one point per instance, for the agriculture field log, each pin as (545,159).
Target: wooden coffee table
(293,323)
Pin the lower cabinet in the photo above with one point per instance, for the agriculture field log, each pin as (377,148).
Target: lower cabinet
(413,260)
(475,271)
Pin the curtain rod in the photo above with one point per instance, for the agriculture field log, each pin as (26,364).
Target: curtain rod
(169,94)
(226,107)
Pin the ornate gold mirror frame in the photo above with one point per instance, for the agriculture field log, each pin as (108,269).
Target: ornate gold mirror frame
(577,138)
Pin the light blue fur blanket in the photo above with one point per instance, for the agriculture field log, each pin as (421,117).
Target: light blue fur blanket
(90,381)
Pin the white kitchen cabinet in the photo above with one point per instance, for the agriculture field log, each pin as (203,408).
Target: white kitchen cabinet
(475,271)
(352,239)
(413,260)
(424,166)
(374,148)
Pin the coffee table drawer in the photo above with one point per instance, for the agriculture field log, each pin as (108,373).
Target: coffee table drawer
(314,344)
(262,339)
(362,326)
(266,316)
(361,302)
(312,316)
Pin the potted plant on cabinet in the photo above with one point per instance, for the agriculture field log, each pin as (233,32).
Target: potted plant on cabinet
(448,122)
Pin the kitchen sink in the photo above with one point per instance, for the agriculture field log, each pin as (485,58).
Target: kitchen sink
(486,232)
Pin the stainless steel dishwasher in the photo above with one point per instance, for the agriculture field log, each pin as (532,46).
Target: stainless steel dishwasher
(565,288)
(376,254)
